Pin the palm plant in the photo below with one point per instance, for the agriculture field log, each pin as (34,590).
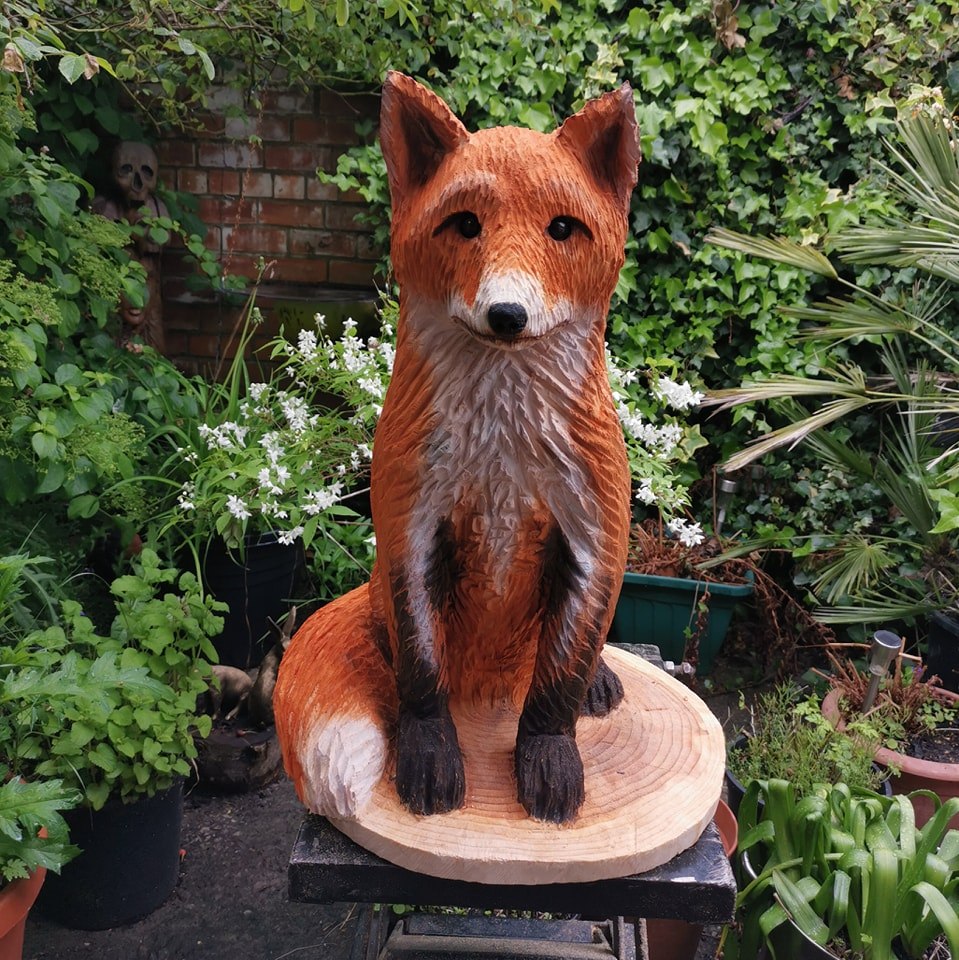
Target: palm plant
(913,394)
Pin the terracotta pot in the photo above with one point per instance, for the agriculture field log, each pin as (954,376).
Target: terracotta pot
(914,774)
(16,899)
(677,939)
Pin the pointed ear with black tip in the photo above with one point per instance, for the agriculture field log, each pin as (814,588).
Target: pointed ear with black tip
(605,137)
(417,130)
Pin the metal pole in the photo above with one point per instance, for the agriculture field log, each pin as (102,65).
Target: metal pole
(885,648)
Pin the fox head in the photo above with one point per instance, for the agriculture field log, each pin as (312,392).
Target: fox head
(508,233)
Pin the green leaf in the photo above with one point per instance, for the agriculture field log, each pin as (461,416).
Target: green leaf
(342,12)
(84,506)
(53,478)
(72,66)
(44,445)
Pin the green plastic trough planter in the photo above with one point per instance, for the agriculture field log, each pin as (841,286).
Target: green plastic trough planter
(659,610)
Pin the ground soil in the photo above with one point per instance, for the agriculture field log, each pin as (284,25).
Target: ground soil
(231,900)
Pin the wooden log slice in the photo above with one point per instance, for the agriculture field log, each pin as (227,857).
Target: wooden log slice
(654,773)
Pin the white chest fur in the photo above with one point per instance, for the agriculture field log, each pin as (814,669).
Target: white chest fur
(501,443)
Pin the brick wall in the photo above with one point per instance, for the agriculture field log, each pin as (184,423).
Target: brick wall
(255,180)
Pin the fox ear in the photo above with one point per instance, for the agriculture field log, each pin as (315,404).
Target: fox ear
(416,131)
(605,137)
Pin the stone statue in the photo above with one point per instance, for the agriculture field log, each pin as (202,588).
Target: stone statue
(134,170)
(500,486)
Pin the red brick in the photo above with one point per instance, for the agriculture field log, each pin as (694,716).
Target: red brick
(351,273)
(306,159)
(257,184)
(240,128)
(204,345)
(212,240)
(286,213)
(316,190)
(255,239)
(176,153)
(208,126)
(210,209)
(366,249)
(232,156)
(352,107)
(309,270)
(176,343)
(324,130)
(192,181)
(238,211)
(342,216)
(286,101)
(224,182)
(274,128)
(322,243)
(288,186)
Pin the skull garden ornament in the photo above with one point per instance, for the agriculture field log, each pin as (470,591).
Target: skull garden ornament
(134,174)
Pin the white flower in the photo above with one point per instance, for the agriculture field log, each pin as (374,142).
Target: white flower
(689,534)
(323,499)
(186,495)
(258,391)
(680,396)
(645,492)
(365,450)
(290,536)
(320,320)
(237,507)
(306,342)
(296,412)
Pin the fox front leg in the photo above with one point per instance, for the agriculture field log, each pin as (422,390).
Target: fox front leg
(429,764)
(549,770)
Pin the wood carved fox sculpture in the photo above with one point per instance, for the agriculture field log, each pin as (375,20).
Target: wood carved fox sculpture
(500,487)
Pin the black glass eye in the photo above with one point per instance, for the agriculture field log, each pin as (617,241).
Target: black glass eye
(560,228)
(468,225)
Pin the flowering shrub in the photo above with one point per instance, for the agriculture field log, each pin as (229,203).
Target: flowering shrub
(278,456)
(659,444)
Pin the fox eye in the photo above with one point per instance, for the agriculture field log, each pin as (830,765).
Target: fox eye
(561,228)
(467,224)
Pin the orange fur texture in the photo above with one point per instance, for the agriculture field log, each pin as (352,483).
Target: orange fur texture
(500,487)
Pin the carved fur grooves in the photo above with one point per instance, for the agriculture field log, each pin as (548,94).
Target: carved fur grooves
(500,488)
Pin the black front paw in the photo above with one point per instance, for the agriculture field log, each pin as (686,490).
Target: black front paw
(549,777)
(429,764)
(604,694)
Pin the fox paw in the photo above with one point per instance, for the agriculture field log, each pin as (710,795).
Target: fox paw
(605,693)
(429,765)
(549,777)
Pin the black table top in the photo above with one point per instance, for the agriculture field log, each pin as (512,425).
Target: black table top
(697,885)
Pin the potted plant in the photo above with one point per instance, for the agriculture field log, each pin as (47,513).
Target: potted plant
(908,711)
(674,593)
(843,872)
(262,470)
(115,718)
(788,738)
(33,833)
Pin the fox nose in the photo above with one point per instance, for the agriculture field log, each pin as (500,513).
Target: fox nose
(507,319)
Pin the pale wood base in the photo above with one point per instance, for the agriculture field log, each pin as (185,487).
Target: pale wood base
(654,772)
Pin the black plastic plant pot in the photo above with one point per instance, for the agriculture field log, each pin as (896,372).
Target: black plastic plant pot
(129,865)
(257,588)
(942,650)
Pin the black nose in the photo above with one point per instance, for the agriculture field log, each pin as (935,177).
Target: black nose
(507,319)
